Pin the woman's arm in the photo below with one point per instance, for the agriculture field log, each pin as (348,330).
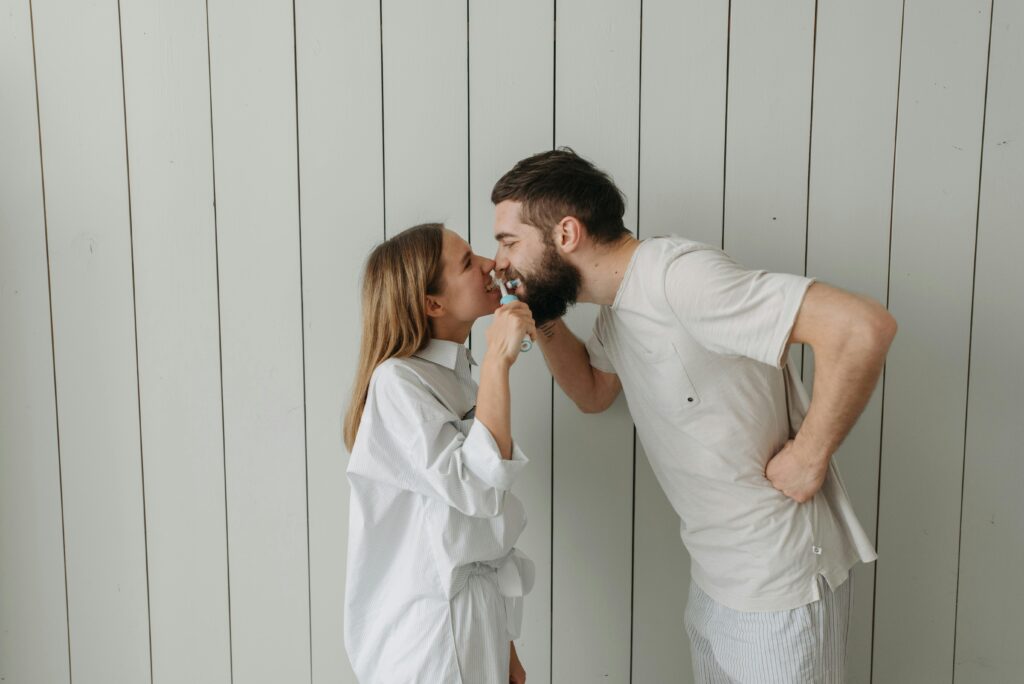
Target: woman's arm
(516,673)
(494,402)
(511,323)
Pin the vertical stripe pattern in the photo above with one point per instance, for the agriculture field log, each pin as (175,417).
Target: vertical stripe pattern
(806,645)
(176,356)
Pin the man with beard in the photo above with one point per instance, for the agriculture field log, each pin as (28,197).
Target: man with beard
(698,344)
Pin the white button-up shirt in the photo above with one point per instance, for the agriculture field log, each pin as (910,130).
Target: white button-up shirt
(697,342)
(429,506)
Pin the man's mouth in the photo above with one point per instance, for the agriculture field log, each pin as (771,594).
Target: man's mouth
(511,284)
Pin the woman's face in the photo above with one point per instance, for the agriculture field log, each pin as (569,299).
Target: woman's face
(467,293)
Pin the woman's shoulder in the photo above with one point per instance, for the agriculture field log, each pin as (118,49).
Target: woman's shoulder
(397,375)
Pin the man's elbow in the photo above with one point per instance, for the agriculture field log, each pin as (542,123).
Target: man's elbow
(596,401)
(592,406)
(878,329)
(885,328)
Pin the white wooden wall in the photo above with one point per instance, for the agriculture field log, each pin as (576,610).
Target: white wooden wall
(188,190)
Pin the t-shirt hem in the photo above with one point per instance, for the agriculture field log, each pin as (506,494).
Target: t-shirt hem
(762,604)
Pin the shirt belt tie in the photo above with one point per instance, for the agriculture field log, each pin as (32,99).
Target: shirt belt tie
(514,575)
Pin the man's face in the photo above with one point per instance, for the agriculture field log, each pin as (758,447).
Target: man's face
(548,283)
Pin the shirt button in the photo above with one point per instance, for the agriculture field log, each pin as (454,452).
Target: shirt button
(816,550)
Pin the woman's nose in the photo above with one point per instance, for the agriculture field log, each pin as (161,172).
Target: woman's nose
(488,265)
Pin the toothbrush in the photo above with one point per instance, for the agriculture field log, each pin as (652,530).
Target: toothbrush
(507,298)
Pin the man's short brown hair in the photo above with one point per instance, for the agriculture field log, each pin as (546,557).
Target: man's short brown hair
(558,183)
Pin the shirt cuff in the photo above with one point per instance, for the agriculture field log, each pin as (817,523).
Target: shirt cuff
(481,455)
(795,293)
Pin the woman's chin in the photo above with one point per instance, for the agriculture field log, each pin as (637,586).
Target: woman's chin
(493,302)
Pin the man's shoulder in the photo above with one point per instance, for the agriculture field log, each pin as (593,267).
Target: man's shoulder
(669,247)
(663,254)
(660,258)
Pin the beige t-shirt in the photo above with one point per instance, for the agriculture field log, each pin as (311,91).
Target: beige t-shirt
(698,343)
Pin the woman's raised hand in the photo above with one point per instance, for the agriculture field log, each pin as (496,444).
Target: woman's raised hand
(512,322)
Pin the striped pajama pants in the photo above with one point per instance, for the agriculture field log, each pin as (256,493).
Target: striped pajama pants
(480,630)
(806,645)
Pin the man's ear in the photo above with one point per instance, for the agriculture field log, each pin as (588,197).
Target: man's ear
(569,234)
(435,308)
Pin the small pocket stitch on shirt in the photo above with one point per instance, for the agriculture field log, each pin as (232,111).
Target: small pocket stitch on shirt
(671,389)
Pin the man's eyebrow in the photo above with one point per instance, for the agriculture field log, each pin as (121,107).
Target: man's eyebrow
(501,236)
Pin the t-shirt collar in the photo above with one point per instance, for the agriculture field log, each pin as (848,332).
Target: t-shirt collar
(625,276)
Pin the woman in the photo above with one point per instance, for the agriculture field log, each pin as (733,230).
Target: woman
(435,585)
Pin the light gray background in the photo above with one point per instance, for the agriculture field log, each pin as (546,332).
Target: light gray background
(187,194)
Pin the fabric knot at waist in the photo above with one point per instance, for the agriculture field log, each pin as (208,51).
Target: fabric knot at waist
(514,576)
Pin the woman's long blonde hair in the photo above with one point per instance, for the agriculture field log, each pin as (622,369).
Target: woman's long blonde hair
(399,273)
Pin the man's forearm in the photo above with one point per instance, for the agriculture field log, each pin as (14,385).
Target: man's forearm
(568,361)
(844,378)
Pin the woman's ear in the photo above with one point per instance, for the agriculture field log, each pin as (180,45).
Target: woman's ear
(569,234)
(435,308)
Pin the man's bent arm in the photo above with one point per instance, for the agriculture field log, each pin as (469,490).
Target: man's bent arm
(850,336)
(590,389)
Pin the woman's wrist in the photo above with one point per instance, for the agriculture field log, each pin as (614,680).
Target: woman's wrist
(496,360)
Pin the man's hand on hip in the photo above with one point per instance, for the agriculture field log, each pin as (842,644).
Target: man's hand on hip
(795,473)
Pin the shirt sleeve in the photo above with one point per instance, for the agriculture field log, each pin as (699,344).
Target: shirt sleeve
(732,310)
(595,349)
(413,442)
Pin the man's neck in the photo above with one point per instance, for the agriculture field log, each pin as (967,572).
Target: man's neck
(603,270)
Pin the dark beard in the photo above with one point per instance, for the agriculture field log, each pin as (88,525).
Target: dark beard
(552,287)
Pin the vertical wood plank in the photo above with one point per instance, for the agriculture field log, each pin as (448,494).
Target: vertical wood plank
(770,64)
(945,46)
(81,109)
(682,119)
(850,195)
(254,135)
(512,52)
(426,127)
(167,106)
(33,616)
(342,201)
(661,584)
(596,92)
(989,630)
(682,145)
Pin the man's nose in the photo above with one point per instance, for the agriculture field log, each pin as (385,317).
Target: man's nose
(501,261)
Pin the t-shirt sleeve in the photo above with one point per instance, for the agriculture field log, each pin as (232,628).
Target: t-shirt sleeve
(733,310)
(595,348)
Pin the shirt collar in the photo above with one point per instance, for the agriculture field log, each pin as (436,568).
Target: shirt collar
(625,276)
(444,353)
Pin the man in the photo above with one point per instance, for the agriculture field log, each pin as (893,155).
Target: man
(698,344)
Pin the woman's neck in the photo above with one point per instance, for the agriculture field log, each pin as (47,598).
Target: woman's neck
(453,331)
